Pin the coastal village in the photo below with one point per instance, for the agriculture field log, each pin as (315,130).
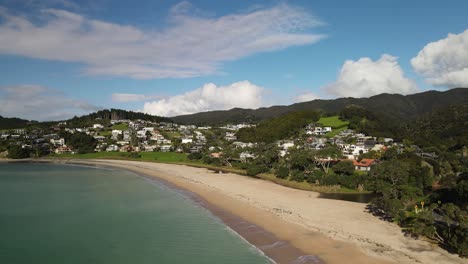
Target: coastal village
(135,136)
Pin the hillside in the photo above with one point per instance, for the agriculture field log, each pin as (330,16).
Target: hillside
(393,106)
(12,123)
(86,120)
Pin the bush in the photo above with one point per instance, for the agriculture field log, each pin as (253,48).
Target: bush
(256,169)
(297,176)
(344,167)
(17,152)
(195,156)
(134,155)
(316,175)
(331,179)
(282,172)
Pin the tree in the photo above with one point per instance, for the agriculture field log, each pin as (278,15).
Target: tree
(17,152)
(344,167)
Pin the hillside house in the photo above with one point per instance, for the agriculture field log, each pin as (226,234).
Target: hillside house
(364,164)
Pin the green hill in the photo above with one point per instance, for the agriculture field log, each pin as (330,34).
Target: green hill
(393,106)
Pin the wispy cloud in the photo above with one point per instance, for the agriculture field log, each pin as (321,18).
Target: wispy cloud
(36,102)
(191,46)
(129,97)
(209,97)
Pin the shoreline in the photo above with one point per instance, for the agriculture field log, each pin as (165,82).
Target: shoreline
(332,230)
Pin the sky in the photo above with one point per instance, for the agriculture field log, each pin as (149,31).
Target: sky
(61,58)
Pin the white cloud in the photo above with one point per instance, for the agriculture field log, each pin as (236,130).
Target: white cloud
(36,102)
(191,46)
(209,97)
(127,97)
(445,62)
(305,97)
(364,78)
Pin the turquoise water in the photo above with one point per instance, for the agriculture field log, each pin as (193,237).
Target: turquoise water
(72,214)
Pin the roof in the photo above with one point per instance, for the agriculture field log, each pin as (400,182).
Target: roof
(364,162)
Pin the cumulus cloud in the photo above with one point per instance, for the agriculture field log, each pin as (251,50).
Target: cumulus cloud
(444,62)
(305,97)
(36,102)
(365,77)
(192,45)
(209,97)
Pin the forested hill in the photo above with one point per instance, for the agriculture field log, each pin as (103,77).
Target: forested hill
(87,120)
(393,106)
(12,123)
(115,114)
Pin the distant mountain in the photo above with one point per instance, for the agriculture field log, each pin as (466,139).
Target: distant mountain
(393,106)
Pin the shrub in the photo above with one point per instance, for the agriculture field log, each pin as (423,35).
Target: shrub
(297,176)
(255,169)
(194,156)
(134,155)
(282,172)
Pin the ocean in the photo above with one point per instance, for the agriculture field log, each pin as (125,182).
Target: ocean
(52,213)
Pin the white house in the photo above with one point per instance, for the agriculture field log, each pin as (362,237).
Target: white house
(112,148)
(98,126)
(57,142)
(187,140)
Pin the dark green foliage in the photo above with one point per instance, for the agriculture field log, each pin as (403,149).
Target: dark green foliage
(344,167)
(195,156)
(17,152)
(282,172)
(81,142)
(331,179)
(446,129)
(107,115)
(297,176)
(12,123)
(278,128)
(255,169)
(134,155)
(316,176)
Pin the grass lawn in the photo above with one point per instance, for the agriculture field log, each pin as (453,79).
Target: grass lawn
(335,123)
(166,157)
(122,126)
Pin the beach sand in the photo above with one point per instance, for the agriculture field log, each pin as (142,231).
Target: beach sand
(333,230)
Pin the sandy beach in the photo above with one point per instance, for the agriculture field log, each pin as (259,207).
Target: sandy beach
(336,231)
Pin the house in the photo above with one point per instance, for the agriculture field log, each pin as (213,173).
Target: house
(116,133)
(230,136)
(57,142)
(100,138)
(98,126)
(364,164)
(63,150)
(112,148)
(216,154)
(244,156)
(166,148)
(187,140)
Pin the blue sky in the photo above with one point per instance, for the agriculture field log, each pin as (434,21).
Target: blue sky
(60,58)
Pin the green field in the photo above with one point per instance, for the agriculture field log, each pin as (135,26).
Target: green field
(122,126)
(166,157)
(335,123)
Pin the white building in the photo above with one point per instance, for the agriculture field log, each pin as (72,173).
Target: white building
(57,142)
